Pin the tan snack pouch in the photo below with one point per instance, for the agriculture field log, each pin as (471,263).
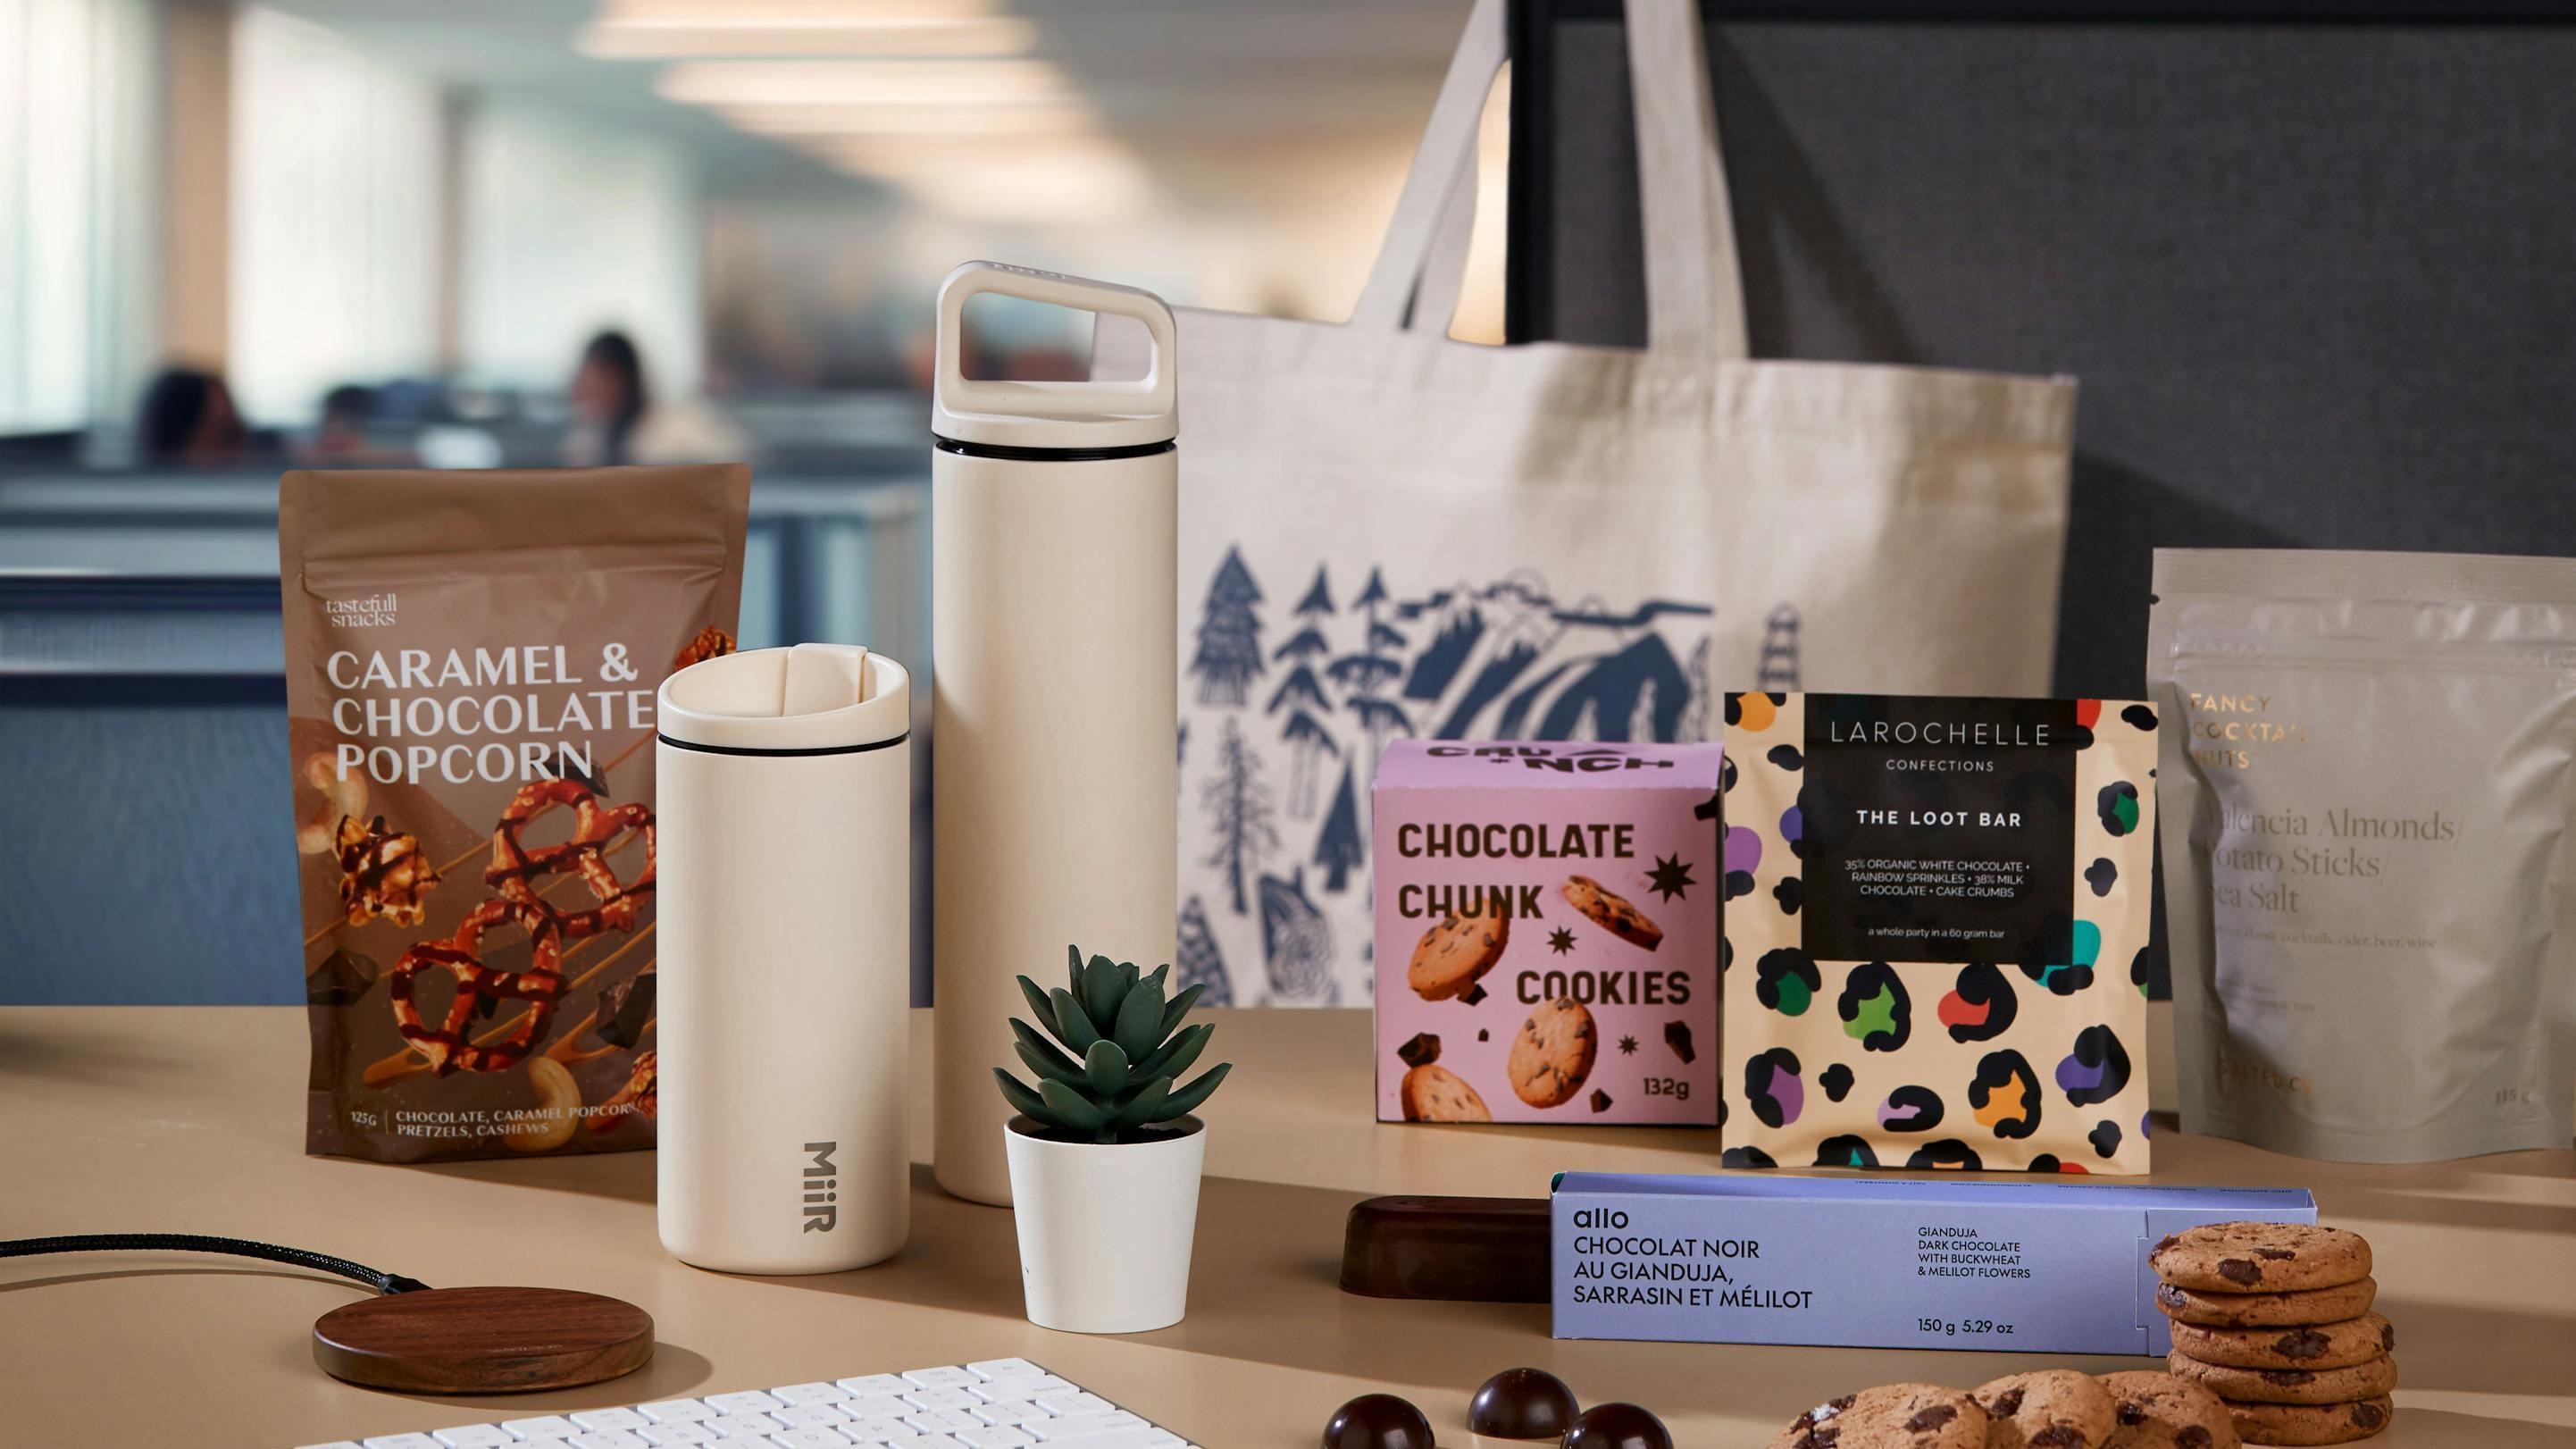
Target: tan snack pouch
(2369,768)
(471,667)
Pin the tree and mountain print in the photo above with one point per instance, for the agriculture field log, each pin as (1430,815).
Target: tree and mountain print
(1285,715)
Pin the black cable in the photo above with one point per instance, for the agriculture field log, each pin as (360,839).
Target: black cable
(381,1282)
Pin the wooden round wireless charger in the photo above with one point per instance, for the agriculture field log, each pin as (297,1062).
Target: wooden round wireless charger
(482,1340)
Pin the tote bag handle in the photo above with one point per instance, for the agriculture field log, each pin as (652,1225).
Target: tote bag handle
(1694,285)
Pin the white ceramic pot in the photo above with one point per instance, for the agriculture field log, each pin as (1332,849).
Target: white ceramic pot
(1105,1229)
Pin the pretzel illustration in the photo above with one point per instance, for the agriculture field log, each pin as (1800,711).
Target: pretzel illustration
(479,989)
(516,864)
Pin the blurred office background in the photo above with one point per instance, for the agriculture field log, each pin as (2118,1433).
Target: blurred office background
(237,238)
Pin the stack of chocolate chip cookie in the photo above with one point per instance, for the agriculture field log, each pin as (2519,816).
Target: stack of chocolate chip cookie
(2275,1319)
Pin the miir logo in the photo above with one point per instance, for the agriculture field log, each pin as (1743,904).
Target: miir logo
(822,1184)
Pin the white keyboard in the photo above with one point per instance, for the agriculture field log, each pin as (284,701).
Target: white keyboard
(1003,1403)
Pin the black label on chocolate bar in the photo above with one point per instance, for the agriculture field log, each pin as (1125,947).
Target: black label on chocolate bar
(1936,829)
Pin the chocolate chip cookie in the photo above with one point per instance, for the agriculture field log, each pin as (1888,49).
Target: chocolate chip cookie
(2159,1411)
(1553,1053)
(1612,913)
(2311,1423)
(1892,1416)
(2266,1310)
(2050,1409)
(1436,1094)
(2261,1258)
(2370,1379)
(1455,952)
(2316,1346)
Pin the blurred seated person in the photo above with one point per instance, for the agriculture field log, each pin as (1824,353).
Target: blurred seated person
(188,418)
(344,436)
(615,419)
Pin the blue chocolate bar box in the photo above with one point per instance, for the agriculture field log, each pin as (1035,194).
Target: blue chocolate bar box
(2048,1267)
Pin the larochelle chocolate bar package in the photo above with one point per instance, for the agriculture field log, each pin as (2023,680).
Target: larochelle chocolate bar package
(1546,932)
(472,660)
(1936,926)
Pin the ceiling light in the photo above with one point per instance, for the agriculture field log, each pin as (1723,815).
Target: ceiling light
(661,38)
(815,119)
(861,82)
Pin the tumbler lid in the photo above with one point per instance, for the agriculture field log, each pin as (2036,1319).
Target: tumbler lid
(810,699)
(1097,416)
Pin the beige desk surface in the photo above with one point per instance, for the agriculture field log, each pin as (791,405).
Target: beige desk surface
(149,1119)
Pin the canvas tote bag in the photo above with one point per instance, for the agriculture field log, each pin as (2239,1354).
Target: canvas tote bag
(1384,532)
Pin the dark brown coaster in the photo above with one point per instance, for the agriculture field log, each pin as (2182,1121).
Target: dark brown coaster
(482,1340)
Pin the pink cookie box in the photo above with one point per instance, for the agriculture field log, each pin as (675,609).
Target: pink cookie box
(1458,823)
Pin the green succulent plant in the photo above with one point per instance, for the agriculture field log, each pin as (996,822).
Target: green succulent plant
(1112,1080)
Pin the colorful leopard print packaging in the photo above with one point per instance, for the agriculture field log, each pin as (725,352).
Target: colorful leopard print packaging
(472,662)
(1936,919)
(2368,772)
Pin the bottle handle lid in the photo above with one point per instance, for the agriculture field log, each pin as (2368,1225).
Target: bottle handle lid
(1134,405)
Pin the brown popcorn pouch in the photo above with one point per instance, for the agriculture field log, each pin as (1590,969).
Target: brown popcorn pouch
(1936,928)
(471,665)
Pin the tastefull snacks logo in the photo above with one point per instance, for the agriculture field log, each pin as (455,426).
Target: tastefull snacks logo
(375,611)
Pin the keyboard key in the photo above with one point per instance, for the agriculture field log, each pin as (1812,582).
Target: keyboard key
(677,1433)
(1003,1368)
(547,1426)
(474,1436)
(1080,1425)
(810,1416)
(814,1393)
(749,1401)
(1009,1411)
(675,1411)
(871,1430)
(1043,1386)
(809,1438)
(942,1421)
(401,1441)
(994,1438)
(1144,1437)
(1074,1403)
(941,1399)
(941,1378)
(604,1419)
(876,1386)
(743,1428)
(605,1439)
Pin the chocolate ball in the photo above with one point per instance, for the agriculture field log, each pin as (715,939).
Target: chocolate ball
(1522,1403)
(1377,1421)
(1617,1426)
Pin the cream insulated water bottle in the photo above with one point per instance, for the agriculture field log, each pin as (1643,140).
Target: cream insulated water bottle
(1053,537)
(785,888)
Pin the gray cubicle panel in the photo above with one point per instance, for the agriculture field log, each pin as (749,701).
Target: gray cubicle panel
(147,851)
(2315,271)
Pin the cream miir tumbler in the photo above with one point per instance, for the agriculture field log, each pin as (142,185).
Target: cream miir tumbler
(1053,596)
(785,916)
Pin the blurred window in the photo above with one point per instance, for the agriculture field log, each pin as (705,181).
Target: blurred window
(76,256)
(337,165)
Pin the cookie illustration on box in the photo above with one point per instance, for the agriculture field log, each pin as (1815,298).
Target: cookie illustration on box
(1612,913)
(1435,1094)
(1553,1055)
(1461,948)
(1548,902)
